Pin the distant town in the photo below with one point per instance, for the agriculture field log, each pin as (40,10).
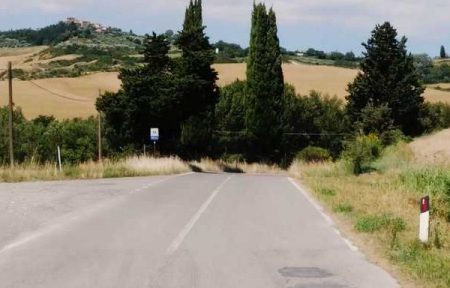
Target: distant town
(98,28)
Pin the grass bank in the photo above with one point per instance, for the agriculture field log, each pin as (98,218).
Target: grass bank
(381,210)
(129,167)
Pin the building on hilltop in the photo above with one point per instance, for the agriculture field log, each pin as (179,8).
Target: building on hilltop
(98,28)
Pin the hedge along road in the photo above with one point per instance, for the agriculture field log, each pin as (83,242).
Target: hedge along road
(193,230)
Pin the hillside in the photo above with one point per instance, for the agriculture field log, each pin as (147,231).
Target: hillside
(433,148)
(53,96)
(326,79)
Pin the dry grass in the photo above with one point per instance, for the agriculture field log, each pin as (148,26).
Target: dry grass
(209,165)
(390,192)
(130,167)
(433,148)
(18,55)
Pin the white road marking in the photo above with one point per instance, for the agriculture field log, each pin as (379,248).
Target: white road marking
(188,227)
(72,217)
(322,213)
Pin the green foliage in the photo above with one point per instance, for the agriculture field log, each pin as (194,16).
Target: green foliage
(197,78)
(327,192)
(388,78)
(362,152)
(435,116)
(36,141)
(312,120)
(230,50)
(373,223)
(230,117)
(149,98)
(434,182)
(442,53)
(265,85)
(344,208)
(49,35)
(314,154)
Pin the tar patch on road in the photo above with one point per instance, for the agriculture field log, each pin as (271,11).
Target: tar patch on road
(313,274)
(304,272)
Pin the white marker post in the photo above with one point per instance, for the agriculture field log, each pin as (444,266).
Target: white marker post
(424,219)
(59,159)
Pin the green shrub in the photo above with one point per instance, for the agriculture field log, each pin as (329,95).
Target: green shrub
(362,152)
(373,223)
(314,154)
(343,208)
(327,192)
(431,181)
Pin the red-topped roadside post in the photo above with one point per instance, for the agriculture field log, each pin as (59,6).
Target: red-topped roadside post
(424,230)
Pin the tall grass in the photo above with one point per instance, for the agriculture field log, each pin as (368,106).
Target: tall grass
(382,208)
(129,167)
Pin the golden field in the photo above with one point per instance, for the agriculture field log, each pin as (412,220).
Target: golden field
(75,97)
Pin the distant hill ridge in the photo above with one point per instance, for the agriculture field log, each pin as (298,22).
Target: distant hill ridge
(57,33)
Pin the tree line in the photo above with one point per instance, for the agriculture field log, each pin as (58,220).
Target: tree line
(261,119)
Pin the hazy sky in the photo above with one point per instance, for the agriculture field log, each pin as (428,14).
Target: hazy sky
(323,24)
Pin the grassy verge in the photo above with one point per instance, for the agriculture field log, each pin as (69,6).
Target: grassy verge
(129,167)
(381,209)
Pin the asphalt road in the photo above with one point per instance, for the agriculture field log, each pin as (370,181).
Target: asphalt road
(196,230)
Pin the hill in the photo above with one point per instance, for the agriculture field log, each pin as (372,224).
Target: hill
(326,79)
(433,149)
(54,96)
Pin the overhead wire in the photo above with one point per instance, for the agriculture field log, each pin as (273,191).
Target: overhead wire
(60,95)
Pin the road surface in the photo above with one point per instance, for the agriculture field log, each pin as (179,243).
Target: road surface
(194,230)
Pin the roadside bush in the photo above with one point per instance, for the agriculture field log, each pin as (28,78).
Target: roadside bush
(362,152)
(435,116)
(314,154)
(434,182)
(36,141)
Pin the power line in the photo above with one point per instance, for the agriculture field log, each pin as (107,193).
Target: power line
(59,95)
(288,134)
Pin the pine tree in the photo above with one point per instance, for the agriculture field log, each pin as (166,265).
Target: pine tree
(265,84)
(443,53)
(388,79)
(199,89)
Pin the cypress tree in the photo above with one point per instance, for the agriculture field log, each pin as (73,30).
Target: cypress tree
(265,85)
(388,80)
(198,82)
(443,52)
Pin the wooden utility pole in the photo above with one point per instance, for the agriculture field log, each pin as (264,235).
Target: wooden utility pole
(99,131)
(11,142)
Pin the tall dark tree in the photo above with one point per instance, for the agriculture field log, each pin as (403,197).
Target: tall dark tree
(265,84)
(198,82)
(443,53)
(148,98)
(387,79)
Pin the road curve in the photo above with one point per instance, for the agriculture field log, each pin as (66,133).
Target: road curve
(196,230)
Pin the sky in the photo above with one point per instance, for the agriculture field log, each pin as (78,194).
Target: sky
(327,25)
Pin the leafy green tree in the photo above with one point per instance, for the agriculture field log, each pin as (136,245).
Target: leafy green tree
(199,92)
(443,53)
(265,83)
(388,77)
(230,115)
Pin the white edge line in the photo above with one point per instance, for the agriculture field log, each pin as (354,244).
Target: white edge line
(322,213)
(66,219)
(188,227)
